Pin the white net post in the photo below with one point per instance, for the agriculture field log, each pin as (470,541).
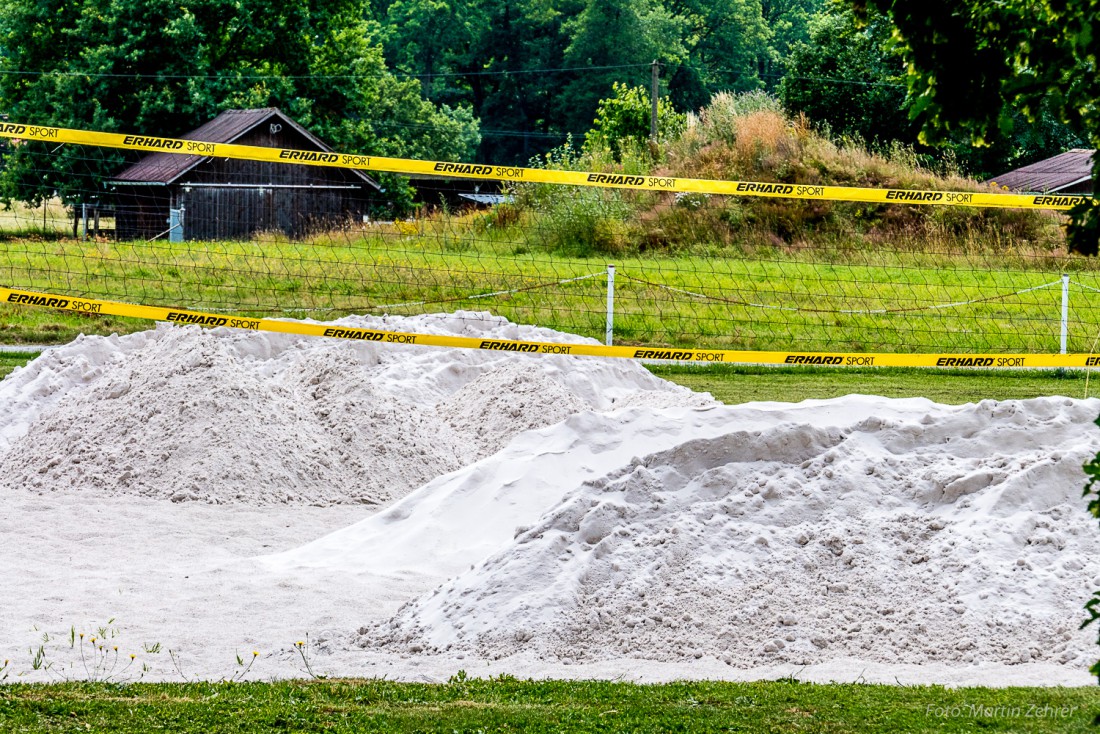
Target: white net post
(1065,312)
(610,304)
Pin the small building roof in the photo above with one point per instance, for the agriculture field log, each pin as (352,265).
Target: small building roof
(227,127)
(489,199)
(1063,171)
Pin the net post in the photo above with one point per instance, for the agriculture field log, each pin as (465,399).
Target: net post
(1065,311)
(610,304)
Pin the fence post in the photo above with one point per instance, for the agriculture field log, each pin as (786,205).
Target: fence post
(1065,311)
(610,304)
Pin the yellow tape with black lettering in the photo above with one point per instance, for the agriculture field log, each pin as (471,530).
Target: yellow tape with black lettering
(537,175)
(836,359)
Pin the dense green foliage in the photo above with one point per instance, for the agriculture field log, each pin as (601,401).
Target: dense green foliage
(623,121)
(534,72)
(851,77)
(164,68)
(506,704)
(973,65)
(448,79)
(844,77)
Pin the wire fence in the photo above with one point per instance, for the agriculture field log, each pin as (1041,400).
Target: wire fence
(709,272)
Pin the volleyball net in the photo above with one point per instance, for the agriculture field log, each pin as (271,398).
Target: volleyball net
(631,258)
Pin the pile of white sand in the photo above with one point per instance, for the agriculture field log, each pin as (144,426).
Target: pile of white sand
(236,417)
(894,531)
(423,509)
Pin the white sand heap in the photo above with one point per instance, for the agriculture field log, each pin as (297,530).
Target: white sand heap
(238,417)
(573,515)
(889,531)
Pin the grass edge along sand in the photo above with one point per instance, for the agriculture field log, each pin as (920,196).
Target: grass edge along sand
(508,704)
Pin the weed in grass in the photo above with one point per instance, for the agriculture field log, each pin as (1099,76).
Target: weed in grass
(303,648)
(38,658)
(174,657)
(242,667)
(93,657)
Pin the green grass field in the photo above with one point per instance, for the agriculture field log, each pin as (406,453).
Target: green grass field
(824,298)
(509,705)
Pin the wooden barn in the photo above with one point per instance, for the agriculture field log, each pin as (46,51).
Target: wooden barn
(190,197)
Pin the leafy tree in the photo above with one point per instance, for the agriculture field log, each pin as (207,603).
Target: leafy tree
(615,33)
(727,42)
(789,24)
(970,63)
(509,85)
(534,70)
(851,77)
(845,78)
(425,38)
(157,67)
(624,119)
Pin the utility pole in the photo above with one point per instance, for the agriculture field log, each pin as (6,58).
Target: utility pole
(653,92)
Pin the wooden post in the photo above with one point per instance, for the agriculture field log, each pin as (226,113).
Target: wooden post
(653,92)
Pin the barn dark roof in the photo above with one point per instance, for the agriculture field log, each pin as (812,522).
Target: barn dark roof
(1053,174)
(227,127)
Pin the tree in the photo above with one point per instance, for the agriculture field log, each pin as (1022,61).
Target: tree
(845,78)
(971,62)
(726,43)
(852,77)
(425,38)
(156,67)
(607,38)
(789,24)
(518,41)
(624,120)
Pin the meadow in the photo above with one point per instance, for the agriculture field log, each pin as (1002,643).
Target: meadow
(807,297)
(506,704)
(701,272)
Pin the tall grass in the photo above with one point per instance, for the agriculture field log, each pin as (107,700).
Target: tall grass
(750,137)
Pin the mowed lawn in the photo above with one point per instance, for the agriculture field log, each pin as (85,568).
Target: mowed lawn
(510,705)
(800,299)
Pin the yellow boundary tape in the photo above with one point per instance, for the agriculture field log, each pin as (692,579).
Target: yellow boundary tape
(18,131)
(837,359)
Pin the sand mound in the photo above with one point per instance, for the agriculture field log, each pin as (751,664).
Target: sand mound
(235,417)
(575,511)
(916,534)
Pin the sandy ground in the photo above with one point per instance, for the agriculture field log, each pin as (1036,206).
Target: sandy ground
(181,575)
(187,587)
